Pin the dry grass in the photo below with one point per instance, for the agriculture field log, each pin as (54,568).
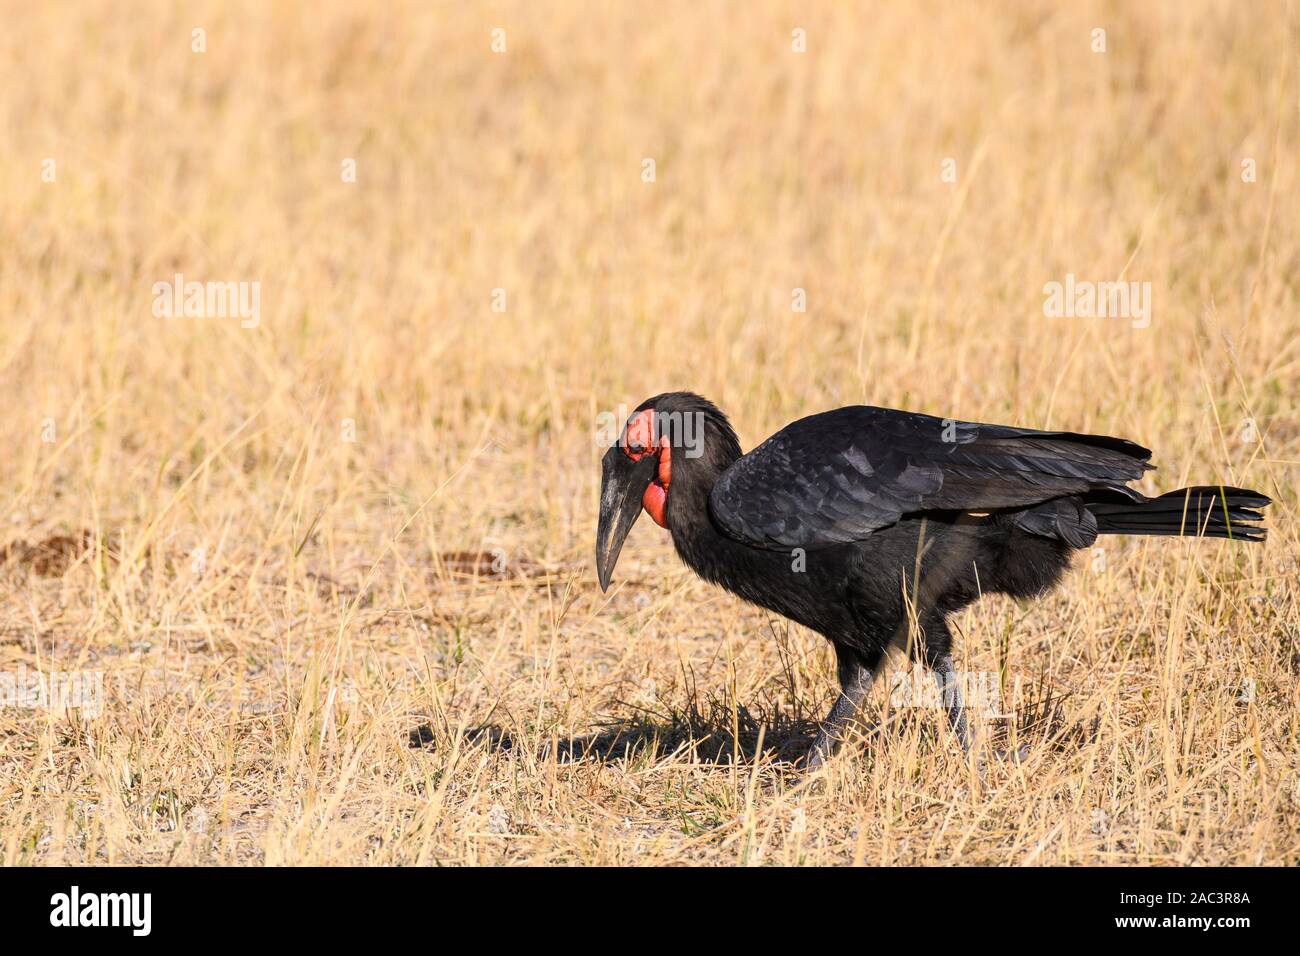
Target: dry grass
(260,703)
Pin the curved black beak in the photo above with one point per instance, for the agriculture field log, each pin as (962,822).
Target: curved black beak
(622,484)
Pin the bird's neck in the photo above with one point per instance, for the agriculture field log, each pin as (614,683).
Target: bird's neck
(696,538)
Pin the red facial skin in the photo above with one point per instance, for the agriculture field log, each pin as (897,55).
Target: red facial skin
(639,441)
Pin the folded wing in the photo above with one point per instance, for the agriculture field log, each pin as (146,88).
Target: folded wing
(838,476)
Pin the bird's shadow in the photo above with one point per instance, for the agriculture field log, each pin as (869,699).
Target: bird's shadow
(715,733)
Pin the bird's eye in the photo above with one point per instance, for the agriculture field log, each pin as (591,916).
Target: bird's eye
(638,437)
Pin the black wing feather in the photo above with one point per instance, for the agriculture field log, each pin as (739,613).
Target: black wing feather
(838,476)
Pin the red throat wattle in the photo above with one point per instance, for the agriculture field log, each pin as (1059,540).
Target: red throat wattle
(638,441)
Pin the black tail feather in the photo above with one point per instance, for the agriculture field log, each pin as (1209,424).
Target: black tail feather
(1201,511)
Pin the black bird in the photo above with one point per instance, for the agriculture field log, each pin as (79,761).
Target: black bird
(855,521)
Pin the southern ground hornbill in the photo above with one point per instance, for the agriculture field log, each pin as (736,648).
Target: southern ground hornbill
(856,521)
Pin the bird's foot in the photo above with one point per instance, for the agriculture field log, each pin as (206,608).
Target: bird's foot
(1015,755)
(815,756)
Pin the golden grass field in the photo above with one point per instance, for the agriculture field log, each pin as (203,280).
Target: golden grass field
(393,649)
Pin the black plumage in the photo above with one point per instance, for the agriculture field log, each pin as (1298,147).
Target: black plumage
(856,521)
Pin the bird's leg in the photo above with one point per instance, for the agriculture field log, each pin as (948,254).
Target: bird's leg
(949,685)
(855,676)
(958,715)
(938,656)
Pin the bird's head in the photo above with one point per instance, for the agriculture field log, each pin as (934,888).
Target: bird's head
(675,435)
